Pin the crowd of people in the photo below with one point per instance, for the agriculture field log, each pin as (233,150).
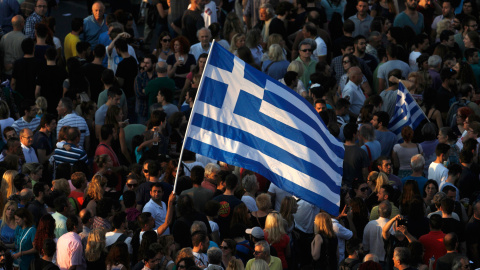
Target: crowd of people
(92,126)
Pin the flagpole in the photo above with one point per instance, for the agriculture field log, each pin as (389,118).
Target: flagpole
(408,92)
(191,116)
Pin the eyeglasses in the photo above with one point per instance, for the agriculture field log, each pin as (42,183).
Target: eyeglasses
(42,6)
(346,62)
(306,50)
(223,247)
(132,185)
(182,267)
(364,189)
(145,171)
(257,252)
(166,40)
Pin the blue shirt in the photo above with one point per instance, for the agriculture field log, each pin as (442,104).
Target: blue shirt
(92,30)
(8,9)
(104,39)
(420,182)
(402,20)
(375,149)
(276,70)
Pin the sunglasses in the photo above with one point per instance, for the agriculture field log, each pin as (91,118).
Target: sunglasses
(223,247)
(346,62)
(306,50)
(257,252)
(132,185)
(166,40)
(145,171)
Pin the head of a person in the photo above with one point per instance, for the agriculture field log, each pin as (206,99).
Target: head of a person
(200,240)
(204,35)
(98,10)
(385,193)
(305,49)
(180,45)
(23,218)
(26,137)
(401,255)
(323,224)
(41,7)
(262,250)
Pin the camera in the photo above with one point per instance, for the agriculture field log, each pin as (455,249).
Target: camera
(402,221)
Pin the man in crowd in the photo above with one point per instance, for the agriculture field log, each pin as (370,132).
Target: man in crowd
(37,16)
(94,24)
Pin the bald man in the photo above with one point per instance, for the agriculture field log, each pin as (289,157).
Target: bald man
(10,44)
(352,91)
(94,24)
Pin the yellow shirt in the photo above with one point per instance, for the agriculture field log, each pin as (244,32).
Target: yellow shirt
(70,45)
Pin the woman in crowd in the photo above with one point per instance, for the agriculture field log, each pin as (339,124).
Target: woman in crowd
(253,42)
(264,204)
(288,208)
(403,152)
(181,62)
(24,236)
(8,224)
(163,50)
(384,8)
(409,191)
(228,251)
(277,237)
(8,189)
(115,116)
(250,184)
(45,230)
(198,69)
(429,190)
(232,26)
(95,252)
(324,244)
(168,249)
(276,65)
(241,215)
(118,258)
(238,41)
(94,192)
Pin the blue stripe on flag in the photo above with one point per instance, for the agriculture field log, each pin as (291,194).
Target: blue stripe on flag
(249,164)
(268,148)
(252,113)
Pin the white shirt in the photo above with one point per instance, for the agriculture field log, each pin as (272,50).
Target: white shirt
(197,49)
(342,235)
(354,94)
(412,60)
(159,213)
(321,49)
(305,216)
(29,154)
(210,13)
(279,195)
(372,237)
(250,203)
(112,237)
(437,172)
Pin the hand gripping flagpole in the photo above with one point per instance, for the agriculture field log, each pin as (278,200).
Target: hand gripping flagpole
(190,120)
(408,93)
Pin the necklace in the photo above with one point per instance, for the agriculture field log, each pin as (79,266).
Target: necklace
(166,52)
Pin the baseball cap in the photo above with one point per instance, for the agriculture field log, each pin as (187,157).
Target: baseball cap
(257,232)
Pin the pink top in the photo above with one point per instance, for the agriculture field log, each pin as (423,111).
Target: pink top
(70,252)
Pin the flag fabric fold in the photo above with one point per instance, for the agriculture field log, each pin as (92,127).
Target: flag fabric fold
(245,118)
(407,112)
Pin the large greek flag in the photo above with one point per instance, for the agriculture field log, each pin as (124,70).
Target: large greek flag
(245,118)
(407,112)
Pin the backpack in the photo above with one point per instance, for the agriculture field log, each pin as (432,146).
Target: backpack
(120,239)
(452,112)
(349,266)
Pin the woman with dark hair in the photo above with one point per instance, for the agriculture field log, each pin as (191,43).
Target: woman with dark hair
(429,190)
(163,50)
(76,81)
(180,63)
(24,237)
(348,61)
(198,69)
(246,55)
(409,191)
(171,172)
(366,114)
(148,238)
(359,212)
(465,74)
(228,247)
(471,40)
(186,263)
(114,116)
(45,230)
(415,212)
(403,152)
(118,257)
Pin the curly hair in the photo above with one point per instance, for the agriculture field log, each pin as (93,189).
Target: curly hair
(95,244)
(95,188)
(45,230)
(184,44)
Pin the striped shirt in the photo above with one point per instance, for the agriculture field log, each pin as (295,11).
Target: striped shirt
(71,156)
(74,120)
(21,124)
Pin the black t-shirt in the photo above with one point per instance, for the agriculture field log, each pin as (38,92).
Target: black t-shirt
(93,73)
(453,225)
(355,160)
(50,79)
(41,141)
(444,99)
(127,70)
(227,204)
(192,21)
(25,71)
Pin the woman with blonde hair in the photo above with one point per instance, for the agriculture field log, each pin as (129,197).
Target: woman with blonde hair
(95,252)
(95,192)
(445,24)
(184,253)
(287,209)
(235,264)
(237,42)
(276,65)
(61,185)
(8,225)
(324,244)
(42,104)
(8,189)
(297,67)
(276,236)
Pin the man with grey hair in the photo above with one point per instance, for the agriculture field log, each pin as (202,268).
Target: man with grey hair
(305,50)
(266,13)
(372,147)
(214,259)
(401,258)
(211,179)
(262,252)
(65,110)
(162,81)
(374,42)
(417,163)
(204,35)
(353,92)
(434,66)
(372,234)
(94,24)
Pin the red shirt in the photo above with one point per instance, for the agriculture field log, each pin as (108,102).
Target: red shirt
(433,244)
(281,247)
(103,149)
